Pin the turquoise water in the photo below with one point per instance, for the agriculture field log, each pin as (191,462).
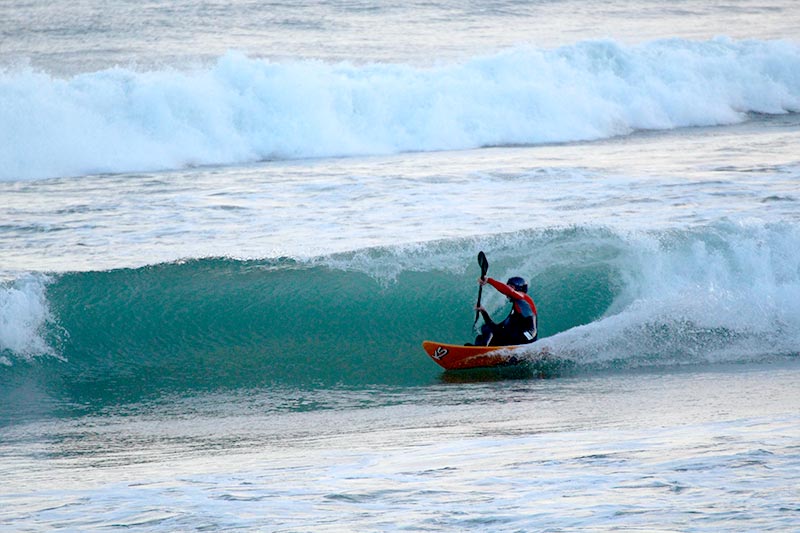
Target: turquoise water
(225,229)
(667,298)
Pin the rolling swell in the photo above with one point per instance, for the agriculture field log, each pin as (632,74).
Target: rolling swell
(607,300)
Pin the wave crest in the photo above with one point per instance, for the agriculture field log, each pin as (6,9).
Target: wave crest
(244,109)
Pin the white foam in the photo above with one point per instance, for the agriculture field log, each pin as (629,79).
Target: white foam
(729,293)
(243,109)
(24,313)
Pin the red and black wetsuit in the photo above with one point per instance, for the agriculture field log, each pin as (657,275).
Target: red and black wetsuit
(519,327)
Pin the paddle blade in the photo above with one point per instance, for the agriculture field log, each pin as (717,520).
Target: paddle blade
(483,263)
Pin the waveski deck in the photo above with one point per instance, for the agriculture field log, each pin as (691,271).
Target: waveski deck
(460,357)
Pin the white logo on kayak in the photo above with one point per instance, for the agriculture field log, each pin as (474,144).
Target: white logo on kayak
(440,352)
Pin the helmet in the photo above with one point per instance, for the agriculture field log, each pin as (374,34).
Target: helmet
(518,284)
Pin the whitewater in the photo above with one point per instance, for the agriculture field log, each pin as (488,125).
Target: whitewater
(226,227)
(242,109)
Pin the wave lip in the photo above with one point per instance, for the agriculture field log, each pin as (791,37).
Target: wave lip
(242,109)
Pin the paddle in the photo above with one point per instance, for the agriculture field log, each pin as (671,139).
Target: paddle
(484,264)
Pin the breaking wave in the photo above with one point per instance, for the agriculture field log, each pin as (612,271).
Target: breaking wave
(727,293)
(242,109)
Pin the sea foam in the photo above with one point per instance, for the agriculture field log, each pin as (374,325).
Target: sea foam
(719,294)
(242,109)
(24,315)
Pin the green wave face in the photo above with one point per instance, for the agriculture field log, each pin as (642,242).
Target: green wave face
(212,322)
(357,320)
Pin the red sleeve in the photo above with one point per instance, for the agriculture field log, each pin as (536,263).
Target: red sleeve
(511,293)
(505,289)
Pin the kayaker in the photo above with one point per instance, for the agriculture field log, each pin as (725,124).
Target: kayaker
(520,326)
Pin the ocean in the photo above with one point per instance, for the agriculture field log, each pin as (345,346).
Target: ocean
(227,227)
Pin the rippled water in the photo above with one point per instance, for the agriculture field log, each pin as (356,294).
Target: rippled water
(226,227)
(696,449)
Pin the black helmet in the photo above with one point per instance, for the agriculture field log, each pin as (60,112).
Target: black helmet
(518,284)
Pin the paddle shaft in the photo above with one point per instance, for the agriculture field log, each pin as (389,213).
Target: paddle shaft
(477,312)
